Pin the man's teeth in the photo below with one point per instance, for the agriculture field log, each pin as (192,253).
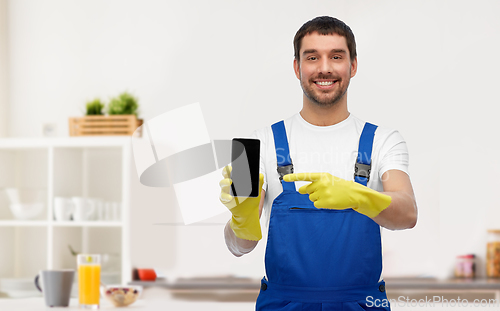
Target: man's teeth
(324,83)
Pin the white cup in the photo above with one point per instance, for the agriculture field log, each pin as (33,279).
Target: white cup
(112,211)
(116,207)
(84,209)
(107,211)
(99,209)
(63,208)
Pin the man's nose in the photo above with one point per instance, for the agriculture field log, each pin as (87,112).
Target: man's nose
(325,66)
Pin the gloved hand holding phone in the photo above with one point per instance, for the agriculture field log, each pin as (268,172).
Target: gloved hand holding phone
(327,191)
(245,221)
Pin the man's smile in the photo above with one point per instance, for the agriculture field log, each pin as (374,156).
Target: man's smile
(325,84)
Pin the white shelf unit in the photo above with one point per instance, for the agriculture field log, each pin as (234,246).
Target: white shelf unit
(93,167)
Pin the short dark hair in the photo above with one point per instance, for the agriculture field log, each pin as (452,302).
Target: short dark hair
(325,25)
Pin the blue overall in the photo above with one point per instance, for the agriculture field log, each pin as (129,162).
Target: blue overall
(321,259)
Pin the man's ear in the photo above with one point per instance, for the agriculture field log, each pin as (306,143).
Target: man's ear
(296,68)
(354,66)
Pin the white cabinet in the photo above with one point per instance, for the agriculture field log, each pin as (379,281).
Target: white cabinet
(89,167)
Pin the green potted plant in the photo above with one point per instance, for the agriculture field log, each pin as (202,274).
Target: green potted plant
(94,107)
(125,103)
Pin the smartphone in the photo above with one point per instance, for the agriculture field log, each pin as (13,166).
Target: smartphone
(245,160)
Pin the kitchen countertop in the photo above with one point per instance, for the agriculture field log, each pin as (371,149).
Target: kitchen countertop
(166,296)
(391,284)
(166,303)
(34,304)
(151,299)
(447,284)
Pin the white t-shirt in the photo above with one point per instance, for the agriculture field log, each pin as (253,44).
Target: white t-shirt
(331,149)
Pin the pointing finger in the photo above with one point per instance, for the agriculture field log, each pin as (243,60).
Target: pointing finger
(302,177)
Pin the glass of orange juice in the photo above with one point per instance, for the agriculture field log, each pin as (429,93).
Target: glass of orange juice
(89,280)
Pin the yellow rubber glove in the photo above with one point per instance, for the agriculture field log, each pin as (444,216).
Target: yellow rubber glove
(327,191)
(245,219)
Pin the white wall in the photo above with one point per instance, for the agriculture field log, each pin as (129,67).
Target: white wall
(3,69)
(427,68)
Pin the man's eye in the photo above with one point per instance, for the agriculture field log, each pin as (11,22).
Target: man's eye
(336,57)
(311,58)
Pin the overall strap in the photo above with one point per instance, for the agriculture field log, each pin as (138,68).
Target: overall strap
(284,161)
(363,164)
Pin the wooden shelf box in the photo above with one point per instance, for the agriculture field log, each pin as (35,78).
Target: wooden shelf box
(104,125)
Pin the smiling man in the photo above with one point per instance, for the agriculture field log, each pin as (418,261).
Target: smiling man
(327,85)
(329,182)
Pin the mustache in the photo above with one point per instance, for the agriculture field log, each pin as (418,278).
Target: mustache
(326,77)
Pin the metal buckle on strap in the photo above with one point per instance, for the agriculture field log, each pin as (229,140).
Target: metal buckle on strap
(362,170)
(283,170)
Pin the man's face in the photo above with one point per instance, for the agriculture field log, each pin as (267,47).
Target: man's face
(325,68)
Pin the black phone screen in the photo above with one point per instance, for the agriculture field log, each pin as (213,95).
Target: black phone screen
(245,160)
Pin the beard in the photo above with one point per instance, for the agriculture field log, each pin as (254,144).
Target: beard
(324,98)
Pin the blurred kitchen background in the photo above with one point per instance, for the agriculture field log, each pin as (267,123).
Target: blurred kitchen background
(427,68)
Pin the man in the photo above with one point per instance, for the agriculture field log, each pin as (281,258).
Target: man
(324,248)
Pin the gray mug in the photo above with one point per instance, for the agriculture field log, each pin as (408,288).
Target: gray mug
(56,286)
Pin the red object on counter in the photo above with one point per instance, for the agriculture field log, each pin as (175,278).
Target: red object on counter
(147,274)
(465,266)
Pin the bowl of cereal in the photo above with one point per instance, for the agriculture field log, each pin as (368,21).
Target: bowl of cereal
(121,296)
